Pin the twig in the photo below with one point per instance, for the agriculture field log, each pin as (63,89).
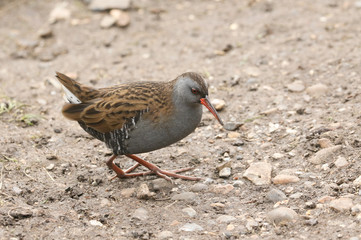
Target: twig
(49,174)
(1,177)
(28,175)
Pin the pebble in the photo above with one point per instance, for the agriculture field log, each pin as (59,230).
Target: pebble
(165,235)
(252,71)
(185,196)
(275,195)
(357,181)
(122,18)
(310,205)
(102,5)
(325,199)
(140,214)
(282,216)
(95,223)
(60,12)
(356,209)
(143,192)
(233,135)
(199,187)
(191,227)
(127,192)
(341,204)
(324,155)
(218,104)
(20,213)
(341,162)
(107,21)
(50,167)
(296,195)
(189,211)
(225,219)
(225,172)
(259,173)
(296,86)
(160,184)
(325,143)
(232,126)
(238,183)
(311,222)
(17,190)
(317,90)
(285,179)
(45,32)
(223,189)
(277,156)
(251,225)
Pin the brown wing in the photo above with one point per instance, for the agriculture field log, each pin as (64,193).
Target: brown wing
(108,113)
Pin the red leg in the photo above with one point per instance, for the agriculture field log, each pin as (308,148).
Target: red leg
(162,173)
(153,169)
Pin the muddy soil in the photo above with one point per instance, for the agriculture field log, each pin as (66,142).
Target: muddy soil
(288,71)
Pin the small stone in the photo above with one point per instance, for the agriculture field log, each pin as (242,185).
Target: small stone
(251,224)
(325,143)
(102,5)
(276,195)
(341,162)
(259,173)
(122,18)
(282,216)
(51,157)
(185,196)
(140,214)
(189,211)
(317,90)
(232,126)
(160,184)
(50,167)
(225,172)
(252,71)
(60,12)
(218,104)
(277,156)
(165,235)
(143,192)
(357,181)
(342,204)
(127,192)
(95,223)
(233,135)
(324,155)
(356,209)
(238,183)
(20,213)
(223,189)
(107,21)
(225,219)
(310,205)
(191,227)
(199,187)
(285,179)
(17,190)
(296,86)
(45,32)
(311,222)
(296,195)
(325,199)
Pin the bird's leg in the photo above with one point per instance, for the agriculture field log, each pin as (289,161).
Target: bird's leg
(162,173)
(153,170)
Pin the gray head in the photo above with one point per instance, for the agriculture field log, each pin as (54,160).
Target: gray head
(190,88)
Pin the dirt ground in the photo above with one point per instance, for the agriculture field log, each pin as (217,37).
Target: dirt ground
(289,71)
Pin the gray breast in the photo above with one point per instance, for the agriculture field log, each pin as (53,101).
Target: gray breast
(147,136)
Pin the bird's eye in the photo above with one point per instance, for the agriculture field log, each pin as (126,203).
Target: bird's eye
(194,91)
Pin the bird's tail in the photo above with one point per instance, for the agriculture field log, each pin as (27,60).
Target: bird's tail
(75,92)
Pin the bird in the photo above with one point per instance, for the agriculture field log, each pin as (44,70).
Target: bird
(139,117)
